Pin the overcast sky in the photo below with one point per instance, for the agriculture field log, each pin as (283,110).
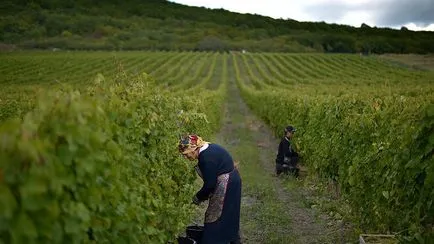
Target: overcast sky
(414,14)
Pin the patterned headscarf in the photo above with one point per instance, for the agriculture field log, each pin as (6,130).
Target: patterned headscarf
(189,143)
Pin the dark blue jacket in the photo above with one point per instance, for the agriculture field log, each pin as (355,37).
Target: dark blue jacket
(285,150)
(213,161)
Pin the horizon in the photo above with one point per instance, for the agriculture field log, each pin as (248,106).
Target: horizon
(342,12)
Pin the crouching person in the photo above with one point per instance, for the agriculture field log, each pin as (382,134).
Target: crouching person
(287,158)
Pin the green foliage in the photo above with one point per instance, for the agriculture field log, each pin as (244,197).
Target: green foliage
(211,43)
(135,25)
(104,158)
(382,161)
(361,121)
(26,74)
(376,144)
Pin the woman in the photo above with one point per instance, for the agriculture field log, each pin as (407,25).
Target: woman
(221,187)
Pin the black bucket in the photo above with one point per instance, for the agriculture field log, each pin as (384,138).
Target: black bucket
(194,232)
(186,240)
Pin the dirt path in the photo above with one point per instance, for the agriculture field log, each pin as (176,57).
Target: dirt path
(270,213)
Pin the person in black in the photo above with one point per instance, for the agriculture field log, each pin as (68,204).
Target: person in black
(287,157)
(221,187)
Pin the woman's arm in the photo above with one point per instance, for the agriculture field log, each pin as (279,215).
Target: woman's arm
(209,175)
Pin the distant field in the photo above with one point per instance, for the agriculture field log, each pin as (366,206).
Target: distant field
(412,60)
(24,73)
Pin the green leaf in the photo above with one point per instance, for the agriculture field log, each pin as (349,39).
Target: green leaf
(82,212)
(7,202)
(85,166)
(57,233)
(53,209)
(33,194)
(65,154)
(351,180)
(72,226)
(412,163)
(431,140)
(419,238)
(23,229)
(430,111)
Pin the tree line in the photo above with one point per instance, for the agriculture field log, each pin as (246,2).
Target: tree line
(163,25)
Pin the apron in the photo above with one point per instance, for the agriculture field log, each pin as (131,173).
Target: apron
(217,198)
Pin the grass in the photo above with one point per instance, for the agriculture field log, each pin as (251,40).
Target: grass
(325,199)
(263,216)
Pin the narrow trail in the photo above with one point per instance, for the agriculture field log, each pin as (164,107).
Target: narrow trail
(269,213)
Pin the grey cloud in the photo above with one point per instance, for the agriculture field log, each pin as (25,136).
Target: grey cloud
(383,12)
(420,12)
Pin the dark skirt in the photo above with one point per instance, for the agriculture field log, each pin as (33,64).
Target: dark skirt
(222,217)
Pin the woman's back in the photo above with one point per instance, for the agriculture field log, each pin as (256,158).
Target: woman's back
(216,154)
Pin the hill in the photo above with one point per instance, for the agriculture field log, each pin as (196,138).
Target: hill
(163,25)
